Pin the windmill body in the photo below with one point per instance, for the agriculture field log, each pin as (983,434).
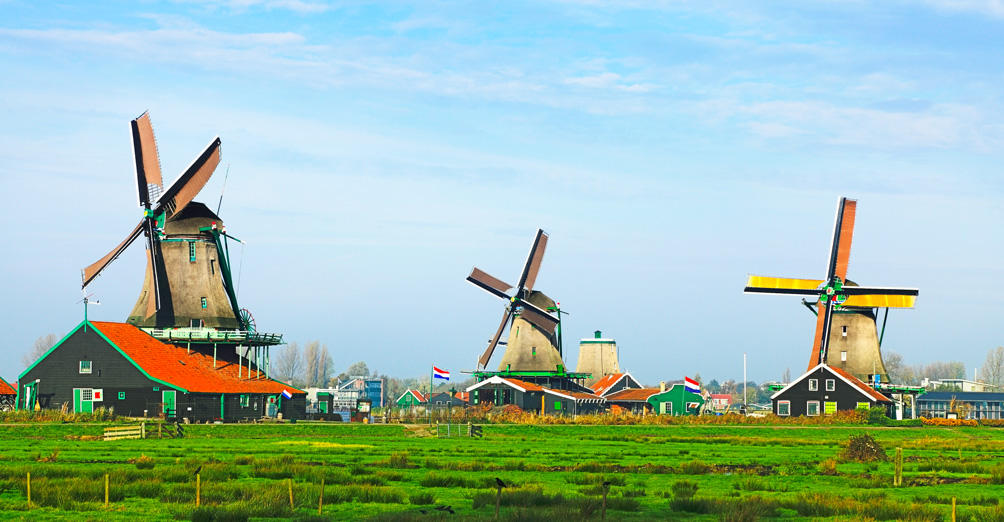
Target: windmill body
(846,334)
(196,293)
(531,349)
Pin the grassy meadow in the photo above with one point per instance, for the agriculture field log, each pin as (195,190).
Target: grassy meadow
(555,472)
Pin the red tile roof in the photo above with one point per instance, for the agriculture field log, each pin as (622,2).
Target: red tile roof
(632,394)
(577,395)
(871,392)
(193,371)
(464,396)
(417,394)
(6,389)
(605,382)
(528,386)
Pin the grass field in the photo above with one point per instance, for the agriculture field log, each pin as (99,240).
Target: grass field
(554,472)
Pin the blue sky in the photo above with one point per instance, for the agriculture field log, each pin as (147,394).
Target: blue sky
(378,151)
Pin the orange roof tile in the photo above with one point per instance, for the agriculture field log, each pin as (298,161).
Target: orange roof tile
(6,389)
(464,396)
(632,394)
(578,395)
(605,382)
(528,386)
(417,394)
(193,371)
(860,384)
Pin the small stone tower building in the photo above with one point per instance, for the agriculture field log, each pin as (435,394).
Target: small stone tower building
(597,356)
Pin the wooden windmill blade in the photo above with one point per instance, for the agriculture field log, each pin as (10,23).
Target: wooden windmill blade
(187,186)
(823,316)
(146,157)
(489,283)
(92,270)
(533,260)
(487,355)
(538,317)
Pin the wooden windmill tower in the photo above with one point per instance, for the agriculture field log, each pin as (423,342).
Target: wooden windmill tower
(534,335)
(188,281)
(846,335)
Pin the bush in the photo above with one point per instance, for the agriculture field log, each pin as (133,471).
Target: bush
(399,460)
(877,416)
(694,467)
(684,489)
(828,467)
(423,498)
(863,448)
(144,462)
(997,474)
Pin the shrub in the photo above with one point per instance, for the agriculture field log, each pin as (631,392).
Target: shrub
(997,474)
(399,460)
(422,498)
(684,489)
(863,448)
(828,467)
(876,416)
(694,467)
(243,460)
(144,462)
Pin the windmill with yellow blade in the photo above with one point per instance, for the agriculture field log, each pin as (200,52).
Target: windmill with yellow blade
(846,332)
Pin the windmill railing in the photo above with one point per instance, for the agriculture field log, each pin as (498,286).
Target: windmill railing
(211,335)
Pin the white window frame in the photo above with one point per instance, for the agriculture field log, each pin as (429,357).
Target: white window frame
(831,385)
(90,366)
(813,384)
(86,394)
(836,407)
(862,406)
(808,412)
(787,405)
(843,356)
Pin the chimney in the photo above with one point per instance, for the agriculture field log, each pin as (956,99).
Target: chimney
(597,334)
(662,386)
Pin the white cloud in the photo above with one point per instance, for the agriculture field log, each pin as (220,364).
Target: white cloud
(994,8)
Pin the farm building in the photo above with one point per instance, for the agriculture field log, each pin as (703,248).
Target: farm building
(968,405)
(634,400)
(411,398)
(118,365)
(370,387)
(445,400)
(824,390)
(8,395)
(614,382)
(534,397)
(676,400)
(721,401)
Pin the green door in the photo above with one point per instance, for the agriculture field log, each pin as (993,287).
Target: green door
(168,397)
(322,406)
(82,402)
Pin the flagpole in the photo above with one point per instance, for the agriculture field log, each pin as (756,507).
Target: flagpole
(428,400)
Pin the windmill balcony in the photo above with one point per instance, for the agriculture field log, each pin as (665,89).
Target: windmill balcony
(214,335)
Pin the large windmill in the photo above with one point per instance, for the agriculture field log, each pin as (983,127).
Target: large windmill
(188,281)
(844,316)
(533,338)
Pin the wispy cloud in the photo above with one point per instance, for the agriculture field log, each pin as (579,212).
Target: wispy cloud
(994,8)
(296,6)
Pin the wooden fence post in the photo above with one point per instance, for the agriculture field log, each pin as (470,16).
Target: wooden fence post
(106,490)
(320,500)
(142,430)
(953,509)
(290,494)
(603,512)
(898,478)
(498,501)
(198,489)
(29,489)
(160,433)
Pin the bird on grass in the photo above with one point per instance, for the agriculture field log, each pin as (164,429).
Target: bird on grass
(197,470)
(499,482)
(448,509)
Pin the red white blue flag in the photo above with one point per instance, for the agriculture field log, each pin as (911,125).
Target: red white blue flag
(440,374)
(286,394)
(691,385)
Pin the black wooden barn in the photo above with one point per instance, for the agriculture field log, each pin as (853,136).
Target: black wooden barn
(534,397)
(117,365)
(824,390)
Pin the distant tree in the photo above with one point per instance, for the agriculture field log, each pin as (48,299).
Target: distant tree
(358,369)
(713,386)
(945,370)
(38,349)
(288,365)
(894,367)
(786,376)
(697,377)
(316,365)
(993,369)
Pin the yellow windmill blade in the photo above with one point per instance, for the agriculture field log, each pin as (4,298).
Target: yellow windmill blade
(881,301)
(781,285)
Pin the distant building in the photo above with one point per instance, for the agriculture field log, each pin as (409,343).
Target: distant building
(634,400)
(977,405)
(370,387)
(445,400)
(959,384)
(597,357)
(533,397)
(825,390)
(411,398)
(676,400)
(8,396)
(720,401)
(613,383)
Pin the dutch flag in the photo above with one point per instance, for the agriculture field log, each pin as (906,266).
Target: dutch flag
(440,374)
(691,385)
(286,394)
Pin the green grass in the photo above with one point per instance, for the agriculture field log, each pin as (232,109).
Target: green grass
(552,472)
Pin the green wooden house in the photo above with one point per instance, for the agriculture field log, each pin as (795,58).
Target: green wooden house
(676,401)
(411,398)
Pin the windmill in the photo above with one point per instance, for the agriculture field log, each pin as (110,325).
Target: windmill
(532,344)
(181,287)
(841,303)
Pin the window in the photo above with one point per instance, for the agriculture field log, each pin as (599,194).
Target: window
(191,251)
(196,323)
(533,350)
(557,405)
(244,401)
(85,366)
(121,396)
(784,408)
(843,331)
(830,407)
(813,384)
(86,394)
(812,408)
(831,384)
(843,356)
(204,302)
(156,388)
(863,405)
